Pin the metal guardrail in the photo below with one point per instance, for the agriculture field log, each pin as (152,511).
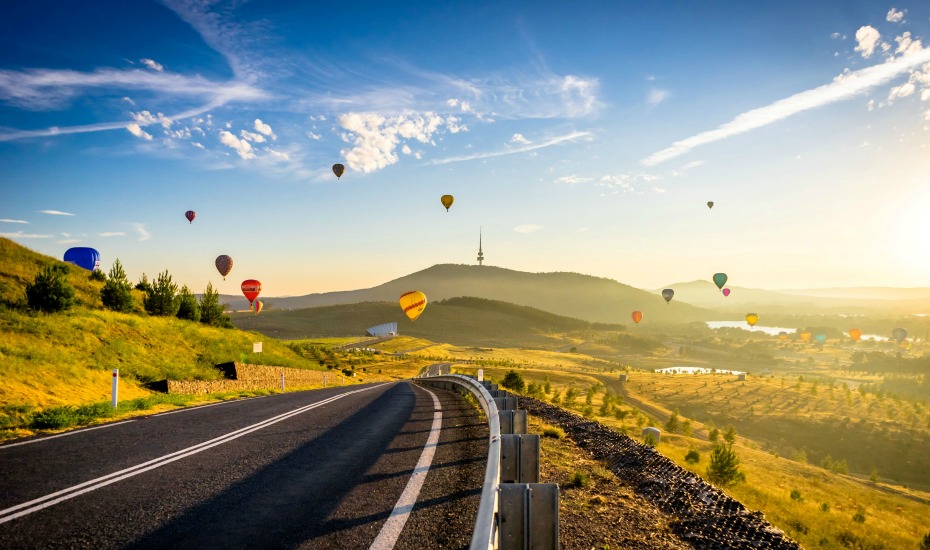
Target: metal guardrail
(485,535)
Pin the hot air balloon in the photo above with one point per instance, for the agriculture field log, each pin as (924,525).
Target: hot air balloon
(413,303)
(447,201)
(256,306)
(81,256)
(251,288)
(805,336)
(667,294)
(726,292)
(720,279)
(821,338)
(855,334)
(752,319)
(899,334)
(190,215)
(710,204)
(338,169)
(224,265)
(637,316)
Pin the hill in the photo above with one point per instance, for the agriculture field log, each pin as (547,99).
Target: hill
(575,295)
(465,321)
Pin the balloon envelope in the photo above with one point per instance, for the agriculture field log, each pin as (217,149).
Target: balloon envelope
(224,265)
(821,338)
(726,292)
(637,316)
(251,288)
(413,303)
(899,334)
(805,336)
(447,201)
(81,256)
(855,334)
(338,169)
(190,215)
(720,279)
(752,319)
(667,294)
(256,306)
(710,204)
(782,335)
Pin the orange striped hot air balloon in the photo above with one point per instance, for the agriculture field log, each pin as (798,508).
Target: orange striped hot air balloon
(257,306)
(413,303)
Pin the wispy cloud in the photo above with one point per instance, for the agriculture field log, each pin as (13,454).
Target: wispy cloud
(489,154)
(152,64)
(21,235)
(13,221)
(843,87)
(519,138)
(68,241)
(573,180)
(140,229)
(528,228)
(55,213)
(657,96)
(112,234)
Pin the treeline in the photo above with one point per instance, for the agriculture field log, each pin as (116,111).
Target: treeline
(51,292)
(878,362)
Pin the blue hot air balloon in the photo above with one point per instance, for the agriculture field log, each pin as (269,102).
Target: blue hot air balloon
(81,256)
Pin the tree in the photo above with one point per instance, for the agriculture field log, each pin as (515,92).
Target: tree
(211,312)
(144,285)
(693,456)
(673,423)
(724,466)
(50,291)
(514,381)
(188,308)
(729,435)
(116,293)
(162,299)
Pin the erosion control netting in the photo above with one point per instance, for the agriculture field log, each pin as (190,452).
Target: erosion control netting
(703,515)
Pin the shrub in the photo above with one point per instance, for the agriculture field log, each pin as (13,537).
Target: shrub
(796,495)
(650,439)
(162,298)
(554,432)
(188,308)
(116,293)
(580,479)
(512,380)
(824,506)
(859,516)
(693,457)
(724,466)
(97,275)
(673,423)
(925,543)
(50,291)
(211,312)
(714,435)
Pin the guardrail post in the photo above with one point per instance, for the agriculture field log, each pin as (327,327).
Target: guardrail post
(519,458)
(529,516)
(513,422)
(508,403)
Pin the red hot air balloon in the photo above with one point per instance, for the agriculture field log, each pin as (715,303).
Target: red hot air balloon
(637,316)
(251,289)
(190,215)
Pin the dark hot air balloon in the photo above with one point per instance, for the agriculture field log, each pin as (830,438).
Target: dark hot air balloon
(720,279)
(710,204)
(338,169)
(224,265)
(190,215)
(667,294)
(447,201)
(899,334)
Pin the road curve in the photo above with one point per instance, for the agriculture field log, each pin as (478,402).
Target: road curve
(317,469)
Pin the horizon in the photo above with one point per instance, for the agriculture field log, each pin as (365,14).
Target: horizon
(807,126)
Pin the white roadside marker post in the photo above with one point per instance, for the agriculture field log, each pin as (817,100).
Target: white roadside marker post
(282,381)
(115,392)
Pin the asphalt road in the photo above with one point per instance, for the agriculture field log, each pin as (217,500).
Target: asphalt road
(317,469)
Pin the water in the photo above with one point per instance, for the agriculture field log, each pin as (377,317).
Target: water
(773,331)
(696,370)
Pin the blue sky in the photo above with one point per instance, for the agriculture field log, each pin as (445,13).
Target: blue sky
(585,137)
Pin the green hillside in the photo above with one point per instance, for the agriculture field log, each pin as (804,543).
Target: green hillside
(458,321)
(66,358)
(575,295)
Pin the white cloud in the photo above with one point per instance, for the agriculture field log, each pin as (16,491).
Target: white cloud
(904,90)
(510,151)
(263,128)
(152,64)
(693,164)
(55,213)
(573,180)
(406,149)
(845,86)
(68,241)
(137,131)
(197,145)
(658,189)
(13,221)
(838,36)
(895,16)
(129,101)
(908,45)
(867,38)
(112,234)
(314,136)
(656,96)
(518,138)
(140,229)
(528,228)
(21,235)
(375,138)
(250,136)
(241,146)
(277,155)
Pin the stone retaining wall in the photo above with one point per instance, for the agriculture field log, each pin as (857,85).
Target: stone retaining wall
(241,376)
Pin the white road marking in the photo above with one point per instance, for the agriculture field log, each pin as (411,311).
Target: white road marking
(392,528)
(41,439)
(65,494)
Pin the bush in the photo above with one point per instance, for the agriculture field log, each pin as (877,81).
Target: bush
(97,275)
(859,516)
(512,380)
(693,457)
(714,435)
(724,466)
(580,479)
(925,544)
(50,291)
(650,439)
(116,293)
(554,432)
(673,423)
(796,495)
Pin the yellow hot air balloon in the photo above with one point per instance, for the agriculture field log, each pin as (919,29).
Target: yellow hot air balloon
(413,303)
(447,201)
(805,336)
(752,319)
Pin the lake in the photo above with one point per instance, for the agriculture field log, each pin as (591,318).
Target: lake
(696,370)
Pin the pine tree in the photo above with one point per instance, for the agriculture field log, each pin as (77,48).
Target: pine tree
(724,466)
(162,299)
(188,308)
(50,291)
(211,312)
(116,293)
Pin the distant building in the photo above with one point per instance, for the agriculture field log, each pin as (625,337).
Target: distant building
(387,329)
(480,252)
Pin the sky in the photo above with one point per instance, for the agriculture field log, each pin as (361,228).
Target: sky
(585,137)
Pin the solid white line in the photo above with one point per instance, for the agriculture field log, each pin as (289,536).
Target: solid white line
(391,529)
(71,492)
(198,407)
(41,439)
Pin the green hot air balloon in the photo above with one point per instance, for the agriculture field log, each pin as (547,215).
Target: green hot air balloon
(720,279)
(899,334)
